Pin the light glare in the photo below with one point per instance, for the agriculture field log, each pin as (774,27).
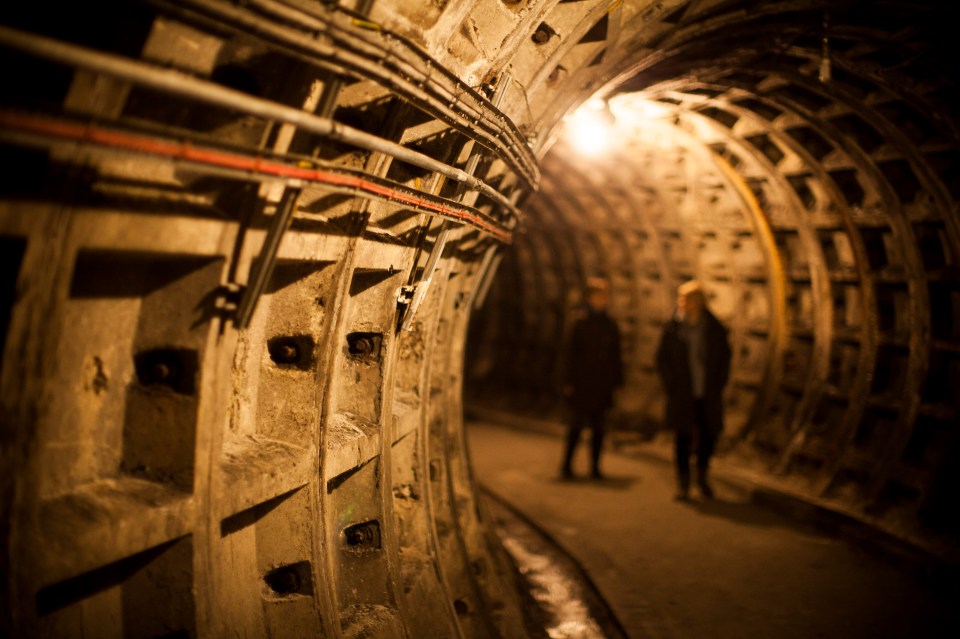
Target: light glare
(590,134)
(590,127)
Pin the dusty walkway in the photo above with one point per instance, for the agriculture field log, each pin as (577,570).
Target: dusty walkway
(722,569)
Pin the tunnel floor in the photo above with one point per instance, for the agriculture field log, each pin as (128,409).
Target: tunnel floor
(723,569)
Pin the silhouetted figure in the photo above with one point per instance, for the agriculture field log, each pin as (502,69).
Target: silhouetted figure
(593,369)
(693,360)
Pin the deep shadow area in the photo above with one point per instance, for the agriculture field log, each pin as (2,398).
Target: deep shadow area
(609,482)
(739,512)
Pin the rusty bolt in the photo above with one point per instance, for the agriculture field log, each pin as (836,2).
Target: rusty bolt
(284,352)
(363,536)
(363,346)
(543,33)
(288,353)
(175,368)
(358,536)
(161,372)
(284,581)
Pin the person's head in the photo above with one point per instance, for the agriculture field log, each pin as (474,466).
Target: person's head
(691,302)
(597,294)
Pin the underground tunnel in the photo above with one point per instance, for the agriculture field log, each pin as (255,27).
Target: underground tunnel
(260,258)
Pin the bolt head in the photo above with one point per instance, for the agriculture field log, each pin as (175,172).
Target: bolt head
(288,352)
(161,371)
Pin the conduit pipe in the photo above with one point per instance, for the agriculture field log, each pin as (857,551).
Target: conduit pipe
(453,101)
(181,84)
(256,165)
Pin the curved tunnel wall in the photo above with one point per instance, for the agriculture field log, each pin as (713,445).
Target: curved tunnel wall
(801,163)
(242,242)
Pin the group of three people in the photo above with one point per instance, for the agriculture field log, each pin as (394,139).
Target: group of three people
(693,360)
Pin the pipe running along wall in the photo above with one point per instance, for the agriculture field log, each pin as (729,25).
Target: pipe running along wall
(217,217)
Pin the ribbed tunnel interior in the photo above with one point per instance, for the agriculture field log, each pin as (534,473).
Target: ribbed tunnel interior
(243,244)
(799,161)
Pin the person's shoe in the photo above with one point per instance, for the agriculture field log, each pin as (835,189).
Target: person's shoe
(566,473)
(596,474)
(705,489)
(683,488)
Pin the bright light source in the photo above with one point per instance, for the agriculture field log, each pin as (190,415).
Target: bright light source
(589,133)
(596,104)
(631,109)
(624,119)
(590,128)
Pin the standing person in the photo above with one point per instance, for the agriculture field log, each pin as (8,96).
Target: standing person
(593,369)
(693,360)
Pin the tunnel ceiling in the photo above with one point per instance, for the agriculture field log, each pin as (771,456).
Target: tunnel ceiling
(243,242)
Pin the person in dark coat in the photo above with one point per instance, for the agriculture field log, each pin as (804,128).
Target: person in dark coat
(592,370)
(693,359)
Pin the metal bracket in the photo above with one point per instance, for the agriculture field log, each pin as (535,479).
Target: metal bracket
(262,268)
(405,294)
(419,289)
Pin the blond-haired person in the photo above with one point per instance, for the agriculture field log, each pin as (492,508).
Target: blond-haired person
(693,360)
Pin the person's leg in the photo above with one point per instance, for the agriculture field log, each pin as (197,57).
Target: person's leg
(704,450)
(682,459)
(597,428)
(573,436)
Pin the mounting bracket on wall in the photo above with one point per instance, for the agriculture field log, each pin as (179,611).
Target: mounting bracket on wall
(262,268)
(411,296)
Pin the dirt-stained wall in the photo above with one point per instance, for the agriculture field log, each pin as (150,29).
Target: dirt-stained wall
(242,243)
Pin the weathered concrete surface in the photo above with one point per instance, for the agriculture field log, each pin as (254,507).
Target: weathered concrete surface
(218,218)
(724,569)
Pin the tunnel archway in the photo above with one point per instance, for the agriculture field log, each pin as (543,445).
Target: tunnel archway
(771,155)
(242,243)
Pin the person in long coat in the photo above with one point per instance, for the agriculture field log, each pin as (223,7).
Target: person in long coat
(693,359)
(593,369)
